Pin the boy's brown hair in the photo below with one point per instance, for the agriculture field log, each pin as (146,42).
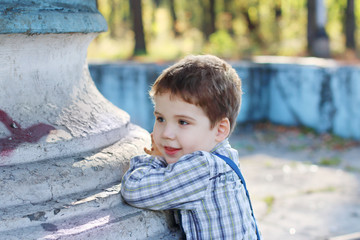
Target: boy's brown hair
(206,81)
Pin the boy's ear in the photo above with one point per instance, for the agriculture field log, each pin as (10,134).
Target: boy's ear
(223,129)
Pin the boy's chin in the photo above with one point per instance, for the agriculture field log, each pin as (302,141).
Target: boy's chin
(171,160)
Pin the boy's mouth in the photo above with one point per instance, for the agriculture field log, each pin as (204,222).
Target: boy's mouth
(171,151)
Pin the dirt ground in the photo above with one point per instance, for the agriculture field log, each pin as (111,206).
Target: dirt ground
(303,185)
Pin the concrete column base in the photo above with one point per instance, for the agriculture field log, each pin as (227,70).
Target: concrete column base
(64,147)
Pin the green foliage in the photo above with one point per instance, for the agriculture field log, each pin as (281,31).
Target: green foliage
(353,169)
(330,161)
(243,28)
(295,148)
(321,190)
(269,201)
(221,44)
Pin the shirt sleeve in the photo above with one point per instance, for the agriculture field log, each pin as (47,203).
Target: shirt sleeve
(151,184)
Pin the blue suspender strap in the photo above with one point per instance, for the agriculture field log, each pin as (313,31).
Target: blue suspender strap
(237,170)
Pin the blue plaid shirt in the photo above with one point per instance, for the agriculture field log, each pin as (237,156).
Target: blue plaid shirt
(208,193)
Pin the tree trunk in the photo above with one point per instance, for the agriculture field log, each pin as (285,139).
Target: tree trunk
(350,25)
(228,4)
(318,40)
(212,17)
(111,20)
(311,23)
(173,17)
(209,17)
(253,27)
(138,27)
(278,14)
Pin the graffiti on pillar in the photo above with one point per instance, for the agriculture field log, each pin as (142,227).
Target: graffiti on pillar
(19,135)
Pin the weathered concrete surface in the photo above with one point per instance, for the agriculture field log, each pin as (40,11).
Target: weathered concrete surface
(58,199)
(50,16)
(54,179)
(63,146)
(294,194)
(54,89)
(64,184)
(110,224)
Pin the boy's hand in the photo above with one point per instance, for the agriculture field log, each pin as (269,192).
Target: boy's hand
(154,149)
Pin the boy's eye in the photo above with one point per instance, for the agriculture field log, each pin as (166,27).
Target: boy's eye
(160,119)
(182,122)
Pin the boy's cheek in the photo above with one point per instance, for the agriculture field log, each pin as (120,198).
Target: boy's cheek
(156,139)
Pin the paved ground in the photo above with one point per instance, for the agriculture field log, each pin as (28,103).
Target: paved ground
(303,185)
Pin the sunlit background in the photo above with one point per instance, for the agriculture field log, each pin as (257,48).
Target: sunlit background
(230,29)
(299,130)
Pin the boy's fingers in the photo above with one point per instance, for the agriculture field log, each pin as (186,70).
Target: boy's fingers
(154,150)
(148,151)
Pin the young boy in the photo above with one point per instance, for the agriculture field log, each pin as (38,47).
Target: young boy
(197,101)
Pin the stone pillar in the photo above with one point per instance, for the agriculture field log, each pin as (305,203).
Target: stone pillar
(63,146)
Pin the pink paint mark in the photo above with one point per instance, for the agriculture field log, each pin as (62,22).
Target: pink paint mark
(18,135)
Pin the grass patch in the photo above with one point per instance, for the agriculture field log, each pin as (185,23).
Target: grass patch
(250,148)
(338,143)
(307,130)
(331,161)
(325,189)
(295,148)
(269,201)
(352,169)
(335,142)
(269,164)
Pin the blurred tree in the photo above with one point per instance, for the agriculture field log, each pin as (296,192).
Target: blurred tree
(212,27)
(247,27)
(350,25)
(311,24)
(252,24)
(277,9)
(318,40)
(278,14)
(173,17)
(250,12)
(209,17)
(138,27)
(111,20)
(229,13)
(157,3)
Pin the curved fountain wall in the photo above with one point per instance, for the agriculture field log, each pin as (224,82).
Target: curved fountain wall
(315,93)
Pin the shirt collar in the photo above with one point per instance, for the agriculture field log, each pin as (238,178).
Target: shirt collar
(221,145)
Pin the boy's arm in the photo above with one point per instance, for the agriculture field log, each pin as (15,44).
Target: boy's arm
(152,185)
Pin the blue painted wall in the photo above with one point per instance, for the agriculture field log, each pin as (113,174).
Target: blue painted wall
(326,99)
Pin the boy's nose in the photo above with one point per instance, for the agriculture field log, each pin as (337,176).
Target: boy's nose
(168,132)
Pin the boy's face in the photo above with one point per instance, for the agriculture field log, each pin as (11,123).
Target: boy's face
(181,128)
